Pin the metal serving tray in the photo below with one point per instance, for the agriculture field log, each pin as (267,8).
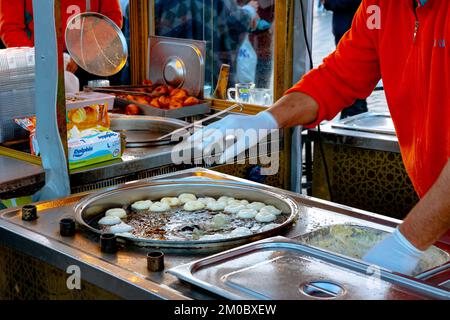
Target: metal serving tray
(368,122)
(282,269)
(144,131)
(95,205)
(199,109)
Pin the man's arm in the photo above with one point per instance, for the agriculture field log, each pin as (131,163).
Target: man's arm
(12,24)
(111,9)
(430,219)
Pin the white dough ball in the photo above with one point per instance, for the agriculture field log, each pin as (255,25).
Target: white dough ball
(126,235)
(121,228)
(271,209)
(207,200)
(225,199)
(216,206)
(221,220)
(247,214)
(141,205)
(118,212)
(256,206)
(172,202)
(109,221)
(212,237)
(241,232)
(265,217)
(159,207)
(186,197)
(238,202)
(234,209)
(194,206)
(269,227)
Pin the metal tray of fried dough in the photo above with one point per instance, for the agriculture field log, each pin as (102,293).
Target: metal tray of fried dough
(355,241)
(292,271)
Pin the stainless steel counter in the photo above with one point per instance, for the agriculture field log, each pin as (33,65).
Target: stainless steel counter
(125,274)
(19,178)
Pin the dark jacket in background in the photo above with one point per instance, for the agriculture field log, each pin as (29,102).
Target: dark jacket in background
(343,13)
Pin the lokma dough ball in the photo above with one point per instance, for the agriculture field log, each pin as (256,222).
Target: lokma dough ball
(241,232)
(172,202)
(269,227)
(272,210)
(109,221)
(234,209)
(159,207)
(121,228)
(194,206)
(256,206)
(141,205)
(247,214)
(207,201)
(186,197)
(118,212)
(216,206)
(265,217)
(220,221)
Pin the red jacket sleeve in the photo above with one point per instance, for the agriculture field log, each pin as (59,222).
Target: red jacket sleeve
(111,9)
(350,73)
(12,24)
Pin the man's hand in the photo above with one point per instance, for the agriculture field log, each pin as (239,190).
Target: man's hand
(234,126)
(72,67)
(395,253)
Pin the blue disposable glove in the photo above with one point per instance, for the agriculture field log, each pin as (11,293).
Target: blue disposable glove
(395,253)
(250,10)
(263,25)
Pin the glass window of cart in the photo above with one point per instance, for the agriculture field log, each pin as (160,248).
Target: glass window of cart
(239,33)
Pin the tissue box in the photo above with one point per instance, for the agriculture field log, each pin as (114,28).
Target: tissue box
(99,146)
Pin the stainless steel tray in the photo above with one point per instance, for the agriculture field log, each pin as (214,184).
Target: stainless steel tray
(368,122)
(143,131)
(199,109)
(96,204)
(351,244)
(282,269)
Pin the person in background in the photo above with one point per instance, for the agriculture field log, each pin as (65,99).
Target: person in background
(343,13)
(17,29)
(223,26)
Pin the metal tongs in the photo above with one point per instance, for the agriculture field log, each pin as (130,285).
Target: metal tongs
(197,123)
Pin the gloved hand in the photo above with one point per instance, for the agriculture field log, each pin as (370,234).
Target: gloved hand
(235,125)
(395,253)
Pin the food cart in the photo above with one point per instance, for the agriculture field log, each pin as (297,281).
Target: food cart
(44,243)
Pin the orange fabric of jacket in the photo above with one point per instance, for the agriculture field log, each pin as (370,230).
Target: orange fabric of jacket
(415,67)
(15,31)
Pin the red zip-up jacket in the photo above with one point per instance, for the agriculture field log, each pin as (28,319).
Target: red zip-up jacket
(16,18)
(410,50)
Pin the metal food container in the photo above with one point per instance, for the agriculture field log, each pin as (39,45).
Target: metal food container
(95,205)
(368,122)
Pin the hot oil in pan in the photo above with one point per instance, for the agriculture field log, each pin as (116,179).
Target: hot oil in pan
(181,225)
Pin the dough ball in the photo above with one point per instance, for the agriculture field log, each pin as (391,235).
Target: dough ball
(241,232)
(207,201)
(220,221)
(271,209)
(269,227)
(247,214)
(159,207)
(121,228)
(141,205)
(225,199)
(234,209)
(265,217)
(109,221)
(194,206)
(172,202)
(186,197)
(126,235)
(256,206)
(119,213)
(216,206)
(238,202)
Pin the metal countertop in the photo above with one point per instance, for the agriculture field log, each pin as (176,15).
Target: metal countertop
(125,274)
(19,178)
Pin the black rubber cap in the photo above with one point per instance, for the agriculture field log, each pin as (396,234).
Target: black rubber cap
(108,242)
(155,261)
(29,213)
(67,227)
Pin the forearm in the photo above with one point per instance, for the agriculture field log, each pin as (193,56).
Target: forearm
(430,219)
(295,109)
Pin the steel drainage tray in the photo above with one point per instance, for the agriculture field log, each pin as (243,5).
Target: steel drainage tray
(368,122)
(282,269)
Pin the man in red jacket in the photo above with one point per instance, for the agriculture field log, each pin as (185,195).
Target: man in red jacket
(16,18)
(407,42)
